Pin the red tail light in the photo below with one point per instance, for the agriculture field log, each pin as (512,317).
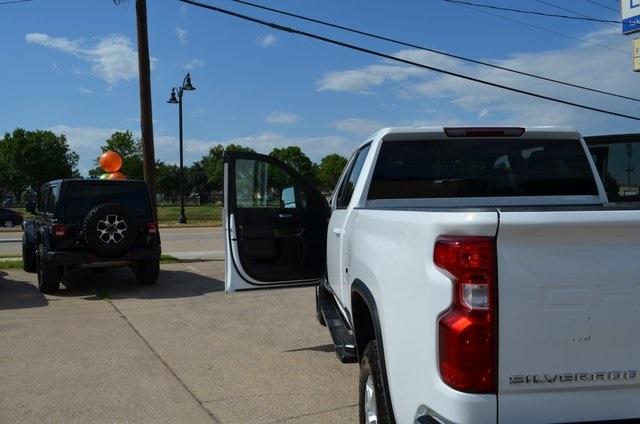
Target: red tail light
(467,330)
(151,228)
(58,230)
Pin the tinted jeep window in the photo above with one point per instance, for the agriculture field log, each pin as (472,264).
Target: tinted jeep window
(481,168)
(81,198)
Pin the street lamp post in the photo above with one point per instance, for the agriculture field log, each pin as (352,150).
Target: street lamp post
(186,86)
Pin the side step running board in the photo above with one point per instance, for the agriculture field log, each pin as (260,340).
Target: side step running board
(344,340)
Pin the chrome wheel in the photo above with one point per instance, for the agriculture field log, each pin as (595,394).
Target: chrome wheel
(8,223)
(370,407)
(111,229)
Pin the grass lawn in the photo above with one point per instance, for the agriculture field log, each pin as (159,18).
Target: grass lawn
(205,214)
(11,264)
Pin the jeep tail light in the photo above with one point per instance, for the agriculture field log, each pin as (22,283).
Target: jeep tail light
(467,330)
(58,230)
(151,228)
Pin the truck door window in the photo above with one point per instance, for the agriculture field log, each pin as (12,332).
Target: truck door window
(619,168)
(349,183)
(264,185)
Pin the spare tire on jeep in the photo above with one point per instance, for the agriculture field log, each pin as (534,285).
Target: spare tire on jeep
(109,230)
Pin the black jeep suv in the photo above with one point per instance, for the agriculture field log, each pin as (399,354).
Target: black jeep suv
(91,223)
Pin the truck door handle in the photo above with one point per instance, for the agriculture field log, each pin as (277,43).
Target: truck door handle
(337,231)
(285,216)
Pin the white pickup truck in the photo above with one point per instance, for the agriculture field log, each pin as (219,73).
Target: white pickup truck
(477,275)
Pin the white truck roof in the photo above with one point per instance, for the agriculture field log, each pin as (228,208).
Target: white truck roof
(408,133)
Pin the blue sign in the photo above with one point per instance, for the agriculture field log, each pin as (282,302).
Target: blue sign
(630,16)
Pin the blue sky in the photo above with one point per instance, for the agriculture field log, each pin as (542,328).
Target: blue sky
(70,66)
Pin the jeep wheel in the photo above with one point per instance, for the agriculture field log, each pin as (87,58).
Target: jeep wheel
(8,223)
(147,272)
(29,257)
(109,230)
(373,401)
(49,276)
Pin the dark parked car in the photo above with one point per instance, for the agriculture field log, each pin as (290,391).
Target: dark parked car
(91,223)
(10,218)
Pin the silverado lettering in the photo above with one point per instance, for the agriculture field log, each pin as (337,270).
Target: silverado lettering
(581,377)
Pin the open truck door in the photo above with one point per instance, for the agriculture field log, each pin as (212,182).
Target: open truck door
(275,224)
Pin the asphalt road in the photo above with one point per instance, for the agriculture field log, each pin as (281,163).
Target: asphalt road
(187,243)
(106,350)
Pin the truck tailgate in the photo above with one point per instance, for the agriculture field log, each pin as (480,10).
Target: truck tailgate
(569,316)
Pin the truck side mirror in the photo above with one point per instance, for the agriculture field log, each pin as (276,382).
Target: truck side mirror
(30,207)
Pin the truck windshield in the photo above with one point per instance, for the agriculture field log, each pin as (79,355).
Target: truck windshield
(81,198)
(481,168)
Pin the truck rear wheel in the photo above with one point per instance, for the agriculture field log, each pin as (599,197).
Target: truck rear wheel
(49,276)
(373,401)
(147,272)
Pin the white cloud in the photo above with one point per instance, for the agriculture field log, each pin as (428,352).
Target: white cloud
(280,117)
(182,35)
(193,64)
(86,141)
(358,126)
(267,40)
(112,57)
(316,147)
(459,100)
(84,90)
(364,79)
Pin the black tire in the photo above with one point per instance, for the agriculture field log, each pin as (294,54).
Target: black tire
(9,223)
(29,257)
(370,369)
(319,315)
(147,272)
(49,276)
(109,230)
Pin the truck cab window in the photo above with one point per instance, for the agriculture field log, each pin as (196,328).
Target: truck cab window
(349,183)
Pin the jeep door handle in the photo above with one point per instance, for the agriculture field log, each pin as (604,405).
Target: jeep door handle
(337,231)
(285,216)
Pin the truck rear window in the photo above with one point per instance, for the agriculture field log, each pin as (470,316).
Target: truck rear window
(81,198)
(481,168)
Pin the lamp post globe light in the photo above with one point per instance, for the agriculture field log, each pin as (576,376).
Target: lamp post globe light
(176,97)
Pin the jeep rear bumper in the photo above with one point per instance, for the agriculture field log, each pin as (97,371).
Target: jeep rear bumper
(84,257)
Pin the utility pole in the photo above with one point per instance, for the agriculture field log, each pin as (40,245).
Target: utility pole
(146,118)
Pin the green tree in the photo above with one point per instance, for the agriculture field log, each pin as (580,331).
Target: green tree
(208,173)
(168,178)
(329,170)
(131,151)
(295,158)
(31,158)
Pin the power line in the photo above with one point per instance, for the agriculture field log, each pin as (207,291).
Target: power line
(532,12)
(605,6)
(432,50)
(561,34)
(14,2)
(279,27)
(573,11)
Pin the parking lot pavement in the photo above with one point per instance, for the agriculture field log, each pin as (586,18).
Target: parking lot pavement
(107,350)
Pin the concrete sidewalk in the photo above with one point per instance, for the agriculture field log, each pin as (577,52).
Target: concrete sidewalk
(107,350)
